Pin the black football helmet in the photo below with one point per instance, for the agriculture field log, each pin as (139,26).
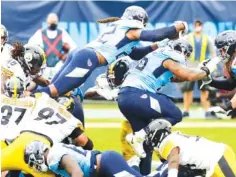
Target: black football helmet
(135,13)
(116,72)
(67,102)
(14,87)
(182,46)
(225,43)
(33,59)
(34,156)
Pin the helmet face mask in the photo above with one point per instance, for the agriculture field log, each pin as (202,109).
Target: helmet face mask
(116,72)
(34,156)
(184,47)
(14,87)
(37,162)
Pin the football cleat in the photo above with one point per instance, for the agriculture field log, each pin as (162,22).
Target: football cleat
(136,141)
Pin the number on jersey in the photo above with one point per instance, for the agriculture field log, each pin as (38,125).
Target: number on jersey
(9,113)
(105,36)
(142,63)
(49,113)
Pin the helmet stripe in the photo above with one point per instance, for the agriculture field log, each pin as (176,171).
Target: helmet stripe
(15,88)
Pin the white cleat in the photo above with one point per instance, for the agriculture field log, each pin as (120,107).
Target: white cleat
(136,141)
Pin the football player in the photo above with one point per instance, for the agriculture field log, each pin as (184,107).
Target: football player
(5,47)
(139,100)
(217,159)
(120,38)
(72,161)
(35,118)
(225,43)
(25,62)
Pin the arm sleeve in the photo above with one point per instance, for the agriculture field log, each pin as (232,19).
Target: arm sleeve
(67,39)
(158,34)
(225,84)
(139,52)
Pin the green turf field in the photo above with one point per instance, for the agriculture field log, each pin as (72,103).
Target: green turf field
(108,138)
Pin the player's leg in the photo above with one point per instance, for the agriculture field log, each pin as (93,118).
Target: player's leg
(74,74)
(78,111)
(226,166)
(126,149)
(67,61)
(146,106)
(112,164)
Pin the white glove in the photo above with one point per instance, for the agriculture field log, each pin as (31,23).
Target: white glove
(205,81)
(217,109)
(212,64)
(185,31)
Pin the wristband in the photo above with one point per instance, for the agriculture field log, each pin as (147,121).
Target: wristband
(173,172)
(206,70)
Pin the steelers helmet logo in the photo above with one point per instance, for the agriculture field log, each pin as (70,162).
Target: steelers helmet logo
(28,57)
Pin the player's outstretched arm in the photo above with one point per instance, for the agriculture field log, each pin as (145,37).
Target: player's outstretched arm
(139,52)
(156,34)
(71,166)
(173,162)
(226,84)
(183,72)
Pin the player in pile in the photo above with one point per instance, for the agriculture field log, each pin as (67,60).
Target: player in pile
(26,63)
(216,159)
(38,117)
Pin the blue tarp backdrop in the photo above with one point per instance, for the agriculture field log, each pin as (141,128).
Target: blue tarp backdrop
(23,18)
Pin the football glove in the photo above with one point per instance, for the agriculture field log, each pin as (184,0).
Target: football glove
(185,31)
(205,81)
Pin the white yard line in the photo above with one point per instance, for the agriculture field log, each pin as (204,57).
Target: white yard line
(180,125)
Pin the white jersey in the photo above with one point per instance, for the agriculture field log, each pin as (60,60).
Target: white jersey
(113,43)
(51,119)
(195,151)
(13,68)
(13,111)
(6,53)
